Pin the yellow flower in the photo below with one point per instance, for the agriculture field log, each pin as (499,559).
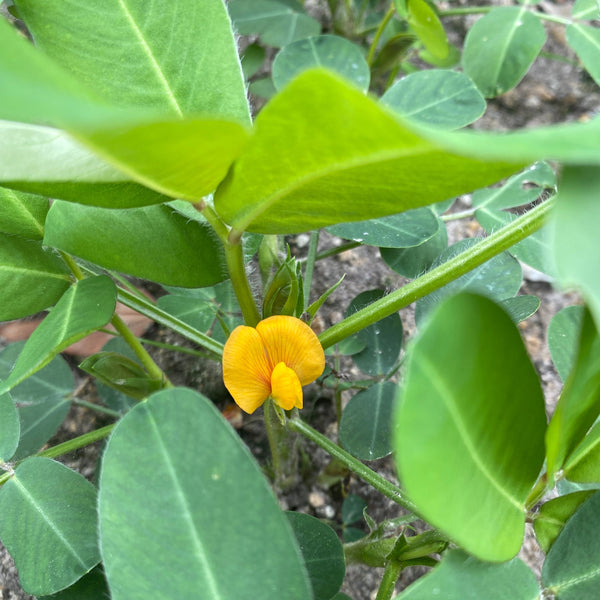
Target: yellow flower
(276,359)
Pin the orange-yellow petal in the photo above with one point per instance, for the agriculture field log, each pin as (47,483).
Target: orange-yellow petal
(285,387)
(246,370)
(291,341)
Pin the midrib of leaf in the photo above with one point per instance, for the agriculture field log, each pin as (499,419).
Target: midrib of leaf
(571,465)
(425,107)
(151,59)
(583,31)
(24,210)
(375,157)
(436,380)
(591,10)
(200,551)
(559,587)
(34,272)
(507,42)
(43,417)
(57,532)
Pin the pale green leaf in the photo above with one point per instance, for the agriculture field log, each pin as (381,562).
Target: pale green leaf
(586,9)
(22,214)
(324,169)
(500,48)
(571,571)
(328,51)
(585,40)
(436,97)
(9,427)
(462,577)
(426,24)
(83,308)
(153,242)
(584,464)
(214,512)
(476,433)
(48,524)
(563,335)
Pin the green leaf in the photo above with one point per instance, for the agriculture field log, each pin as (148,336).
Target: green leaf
(46,161)
(500,48)
(277,23)
(91,587)
(425,23)
(152,242)
(200,315)
(408,229)
(324,169)
(563,335)
(216,509)
(518,189)
(32,278)
(22,214)
(484,430)
(520,308)
(585,40)
(535,250)
(579,402)
(383,340)
(439,98)
(553,515)
(570,571)
(586,9)
(365,427)
(328,51)
(462,577)
(49,508)
(576,251)
(83,308)
(322,552)
(353,507)
(412,262)
(252,59)
(170,47)
(43,400)
(584,464)
(9,428)
(499,278)
(262,87)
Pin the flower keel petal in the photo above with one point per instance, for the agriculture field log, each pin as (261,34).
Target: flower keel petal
(285,387)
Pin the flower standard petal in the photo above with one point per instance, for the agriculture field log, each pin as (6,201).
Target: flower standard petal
(246,370)
(285,387)
(293,342)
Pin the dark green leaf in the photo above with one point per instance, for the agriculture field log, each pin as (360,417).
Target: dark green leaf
(90,587)
(383,340)
(32,278)
(253,58)
(48,524)
(325,169)
(462,577)
(585,40)
(579,403)
(553,515)
(262,88)
(214,510)
(442,427)
(322,552)
(366,424)
(83,308)
(563,336)
(152,242)
(499,278)
(520,308)
(352,509)
(500,48)
(405,230)
(446,99)
(43,400)
(412,262)
(277,23)
(22,214)
(195,312)
(571,568)
(328,51)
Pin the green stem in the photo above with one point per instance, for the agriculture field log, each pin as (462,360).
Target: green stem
(79,442)
(175,348)
(537,492)
(463,214)
(150,310)
(386,19)
(97,408)
(335,250)
(382,485)
(310,265)
(213,218)
(489,247)
(388,583)
(282,443)
(134,343)
(73,266)
(237,271)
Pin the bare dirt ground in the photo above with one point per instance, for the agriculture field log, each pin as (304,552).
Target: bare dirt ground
(552,92)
